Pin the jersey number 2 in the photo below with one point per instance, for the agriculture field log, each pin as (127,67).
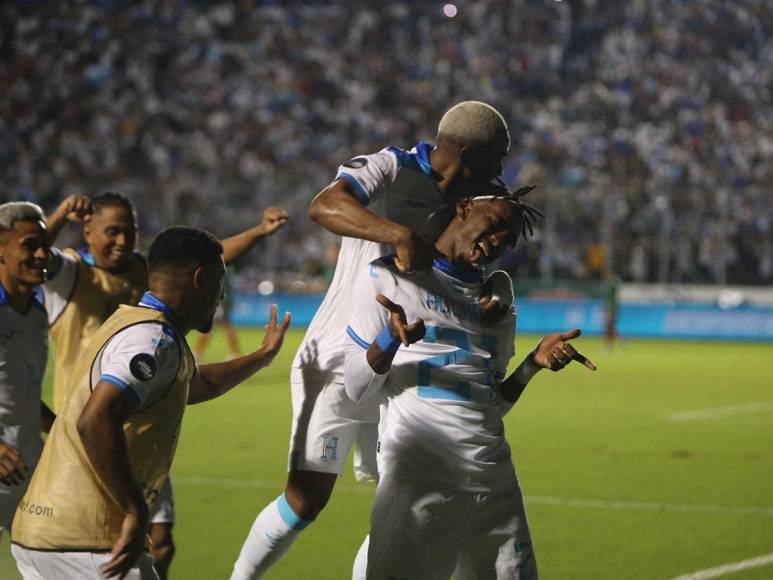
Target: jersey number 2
(456,390)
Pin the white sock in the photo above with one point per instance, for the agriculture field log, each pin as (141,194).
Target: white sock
(272,534)
(360,569)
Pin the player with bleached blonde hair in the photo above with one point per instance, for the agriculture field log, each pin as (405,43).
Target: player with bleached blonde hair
(391,201)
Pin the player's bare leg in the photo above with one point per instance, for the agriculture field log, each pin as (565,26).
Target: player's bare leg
(201,345)
(233,338)
(281,522)
(309,491)
(161,548)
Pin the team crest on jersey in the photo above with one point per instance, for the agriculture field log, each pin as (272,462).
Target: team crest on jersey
(356,163)
(143,366)
(329,448)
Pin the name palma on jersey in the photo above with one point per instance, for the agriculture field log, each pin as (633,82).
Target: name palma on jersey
(463,310)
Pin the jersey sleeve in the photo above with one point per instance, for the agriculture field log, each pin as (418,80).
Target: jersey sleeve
(58,289)
(366,320)
(142,360)
(369,174)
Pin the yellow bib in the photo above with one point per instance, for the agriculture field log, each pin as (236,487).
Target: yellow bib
(66,506)
(96,295)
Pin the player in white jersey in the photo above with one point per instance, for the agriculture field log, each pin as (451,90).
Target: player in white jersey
(448,492)
(380,203)
(24,251)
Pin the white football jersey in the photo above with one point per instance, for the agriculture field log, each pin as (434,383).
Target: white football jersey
(398,185)
(444,413)
(142,360)
(23,354)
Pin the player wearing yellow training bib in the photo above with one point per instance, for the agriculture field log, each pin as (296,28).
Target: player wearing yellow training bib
(87,507)
(86,285)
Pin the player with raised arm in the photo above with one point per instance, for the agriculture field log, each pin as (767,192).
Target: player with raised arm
(380,203)
(87,284)
(86,511)
(24,250)
(448,496)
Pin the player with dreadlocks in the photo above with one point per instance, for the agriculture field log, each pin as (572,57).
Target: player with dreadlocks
(381,202)
(87,284)
(447,495)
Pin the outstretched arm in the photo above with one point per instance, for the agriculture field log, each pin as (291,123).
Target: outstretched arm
(553,352)
(274,219)
(216,379)
(338,209)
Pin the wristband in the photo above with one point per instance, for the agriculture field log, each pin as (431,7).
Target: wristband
(386,341)
(526,370)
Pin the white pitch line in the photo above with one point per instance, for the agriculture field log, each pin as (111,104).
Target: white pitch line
(532,499)
(728,568)
(719,412)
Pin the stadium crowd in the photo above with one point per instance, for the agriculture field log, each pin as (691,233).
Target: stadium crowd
(649,123)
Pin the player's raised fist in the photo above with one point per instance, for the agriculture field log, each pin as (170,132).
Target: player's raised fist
(274,219)
(275,333)
(554,352)
(398,323)
(75,208)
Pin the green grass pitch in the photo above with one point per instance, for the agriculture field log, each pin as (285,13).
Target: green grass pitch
(616,489)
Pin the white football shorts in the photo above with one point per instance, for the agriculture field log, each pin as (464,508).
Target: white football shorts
(45,565)
(162,510)
(326,423)
(420,531)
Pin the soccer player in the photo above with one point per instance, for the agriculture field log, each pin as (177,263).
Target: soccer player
(448,492)
(380,203)
(24,251)
(87,284)
(85,513)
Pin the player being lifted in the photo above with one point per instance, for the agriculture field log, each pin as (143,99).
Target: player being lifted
(86,285)
(24,251)
(400,190)
(448,493)
(85,514)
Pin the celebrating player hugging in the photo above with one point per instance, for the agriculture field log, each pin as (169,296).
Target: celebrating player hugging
(448,497)
(402,191)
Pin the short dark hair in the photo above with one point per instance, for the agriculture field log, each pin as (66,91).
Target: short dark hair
(181,247)
(112,199)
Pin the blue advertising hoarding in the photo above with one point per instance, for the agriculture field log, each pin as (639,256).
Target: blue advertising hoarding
(687,321)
